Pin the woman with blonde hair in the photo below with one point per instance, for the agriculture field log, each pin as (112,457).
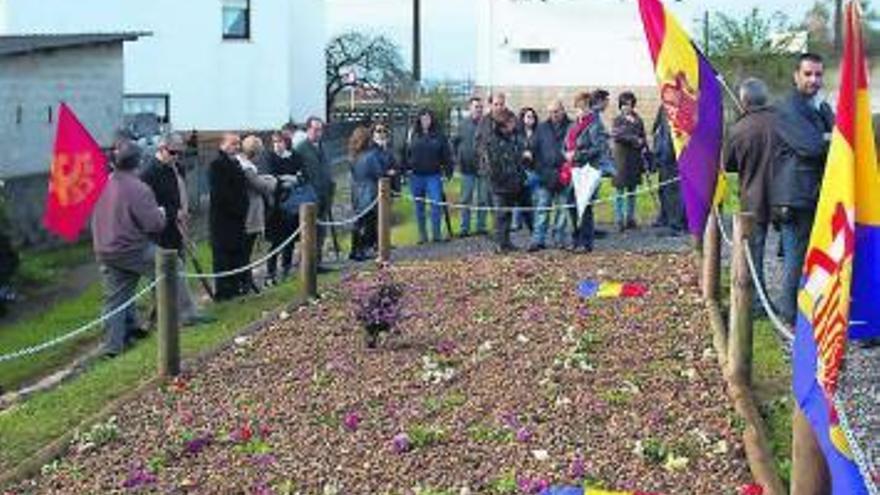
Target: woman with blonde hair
(367,167)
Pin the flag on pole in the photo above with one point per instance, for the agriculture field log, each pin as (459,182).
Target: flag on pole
(842,270)
(691,96)
(76,179)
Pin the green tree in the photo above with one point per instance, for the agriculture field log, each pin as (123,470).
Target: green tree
(753,46)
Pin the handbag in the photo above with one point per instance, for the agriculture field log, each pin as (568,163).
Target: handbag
(296,196)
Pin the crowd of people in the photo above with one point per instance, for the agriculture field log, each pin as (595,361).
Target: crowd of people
(511,163)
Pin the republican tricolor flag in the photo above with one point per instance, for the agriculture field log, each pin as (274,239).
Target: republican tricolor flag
(691,96)
(77,177)
(837,301)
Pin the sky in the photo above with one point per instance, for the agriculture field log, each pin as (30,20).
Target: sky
(449,32)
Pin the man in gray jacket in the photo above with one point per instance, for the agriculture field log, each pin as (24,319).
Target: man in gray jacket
(474,188)
(125,219)
(317,172)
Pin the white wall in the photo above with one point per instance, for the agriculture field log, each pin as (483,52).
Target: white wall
(592,43)
(214,84)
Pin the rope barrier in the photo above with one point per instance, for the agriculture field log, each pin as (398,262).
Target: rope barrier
(780,327)
(84,328)
(247,267)
(720,221)
(342,223)
(459,206)
(859,456)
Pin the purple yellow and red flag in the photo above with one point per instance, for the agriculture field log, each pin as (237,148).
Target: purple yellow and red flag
(842,269)
(691,95)
(77,177)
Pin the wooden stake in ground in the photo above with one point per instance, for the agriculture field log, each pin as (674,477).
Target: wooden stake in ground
(741,296)
(711,281)
(809,472)
(166,313)
(308,265)
(384,223)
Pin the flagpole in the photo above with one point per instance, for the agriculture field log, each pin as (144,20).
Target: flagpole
(730,93)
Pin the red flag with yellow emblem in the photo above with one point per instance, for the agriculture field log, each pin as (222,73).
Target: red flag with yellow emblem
(77,177)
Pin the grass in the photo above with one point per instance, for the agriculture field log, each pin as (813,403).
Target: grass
(38,268)
(28,426)
(772,384)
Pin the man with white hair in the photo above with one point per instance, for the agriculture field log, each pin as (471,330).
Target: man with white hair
(751,150)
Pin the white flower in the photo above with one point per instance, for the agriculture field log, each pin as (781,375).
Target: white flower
(541,455)
(720,447)
(522,339)
(283,315)
(674,463)
(242,340)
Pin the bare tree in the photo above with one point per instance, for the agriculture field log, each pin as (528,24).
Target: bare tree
(359,60)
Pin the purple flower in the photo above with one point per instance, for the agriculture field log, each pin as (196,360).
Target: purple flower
(532,486)
(262,488)
(264,460)
(400,443)
(351,421)
(523,434)
(197,445)
(576,469)
(509,420)
(445,347)
(138,478)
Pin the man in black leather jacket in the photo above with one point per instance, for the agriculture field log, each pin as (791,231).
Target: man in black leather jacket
(803,127)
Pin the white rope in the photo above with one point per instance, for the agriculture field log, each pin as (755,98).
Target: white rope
(247,267)
(780,327)
(859,456)
(610,199)
(63,338)
(721,227)
(341,223)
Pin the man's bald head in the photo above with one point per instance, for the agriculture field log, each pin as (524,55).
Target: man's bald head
(230,143)
(556,110)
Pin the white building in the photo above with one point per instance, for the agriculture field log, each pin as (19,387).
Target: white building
(535,50)
(208,64)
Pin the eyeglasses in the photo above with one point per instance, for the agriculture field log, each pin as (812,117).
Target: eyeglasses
(381,131)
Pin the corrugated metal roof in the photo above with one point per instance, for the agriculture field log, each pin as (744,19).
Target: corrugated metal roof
(27,43)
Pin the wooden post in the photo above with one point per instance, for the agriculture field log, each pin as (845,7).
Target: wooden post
(711,281)
(308,265)
(166,313)
(809,472)
(384,223)
(741,295)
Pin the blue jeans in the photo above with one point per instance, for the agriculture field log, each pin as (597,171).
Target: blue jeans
(120,281)
(625,206)
(473,190)
(795,238)
(562,216)
(541,198)
(432,186)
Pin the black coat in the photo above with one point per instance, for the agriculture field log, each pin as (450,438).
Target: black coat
(803,133)
(229,202)
(162,179)
(428,154)
(548,157)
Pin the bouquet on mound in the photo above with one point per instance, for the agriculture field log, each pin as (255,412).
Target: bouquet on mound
(378,305)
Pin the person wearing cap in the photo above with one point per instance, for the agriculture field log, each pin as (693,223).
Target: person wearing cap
(125,220)
(164,174)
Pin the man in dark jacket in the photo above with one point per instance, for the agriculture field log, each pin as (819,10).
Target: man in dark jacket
(506,174)
(473,186)
(803,127)
(164,174)
(318,173)
(751,149)
(672,213)
(229,207)
(548,159)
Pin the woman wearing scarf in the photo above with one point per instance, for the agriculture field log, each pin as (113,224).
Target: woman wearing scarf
(581,149)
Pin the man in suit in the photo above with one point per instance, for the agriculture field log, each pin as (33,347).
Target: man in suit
(229,208)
